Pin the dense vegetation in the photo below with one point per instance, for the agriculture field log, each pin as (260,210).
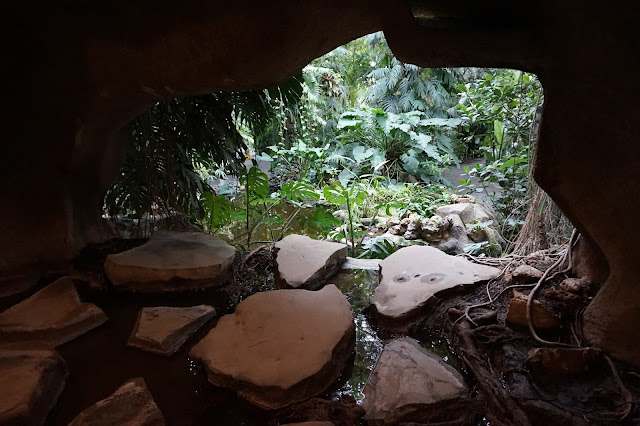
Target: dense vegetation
(357,132)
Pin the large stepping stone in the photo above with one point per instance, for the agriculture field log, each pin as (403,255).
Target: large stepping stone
(280,347)
(30,383)
(163,330)
(412,277)
(305,263)
(172,261)
(131,405)
(52,316)
(410,384)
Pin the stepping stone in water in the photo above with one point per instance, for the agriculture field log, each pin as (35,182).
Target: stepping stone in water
(172,261)
(131,405)
(163,330)
(305,263)
(412,276)
(410,384)
(30,383)
(52,316)
(280,347)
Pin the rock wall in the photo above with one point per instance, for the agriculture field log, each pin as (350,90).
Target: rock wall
(74,76)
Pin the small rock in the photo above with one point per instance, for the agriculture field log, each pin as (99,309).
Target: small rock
(464,198)
(412,276)
(550,364)
(393,221)
(30,383)
(280,347)
(131,405)
(397,230)
(542,317)
(413,230)
(411,384)
(458,238)
(304,263)
(170,262)
(435,229)
(163,330)
(525,274)
(53,316)
(477,234)
(580,286)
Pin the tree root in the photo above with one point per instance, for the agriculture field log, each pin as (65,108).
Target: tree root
(498,398)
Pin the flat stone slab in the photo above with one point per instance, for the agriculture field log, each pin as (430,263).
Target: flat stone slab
(30,383)
(302,262)
(163,330)
(131,405)
(410,384)
(52,316)
(412,276)
(280,347)
(366,264)
(172,261)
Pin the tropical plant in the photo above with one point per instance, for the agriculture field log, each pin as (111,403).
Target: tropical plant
(348,197)
(398,145)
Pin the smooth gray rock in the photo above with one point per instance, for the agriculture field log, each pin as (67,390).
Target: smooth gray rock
(468,212)
(131,405)
(30,383)
(52,316)
(412,276)
(172,261)
(305,263)
(280,347)
(409,383)
(163,330)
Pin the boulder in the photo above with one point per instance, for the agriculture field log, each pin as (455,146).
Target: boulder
(52,316)
(305,263)
(469,212)
(410,384)
(30,383)
(131,405)
(458,238)
(435,229)
(172,261)
(464,210)
(525,274)
(551,364)
(280,347)
(163,330)
(412,276)
(543,318)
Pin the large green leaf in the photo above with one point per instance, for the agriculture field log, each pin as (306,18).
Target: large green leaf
(217,209)
(256,183)
(298,191)
(335,194)
(361,153)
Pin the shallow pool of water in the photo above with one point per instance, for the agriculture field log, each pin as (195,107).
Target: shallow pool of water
(99,361)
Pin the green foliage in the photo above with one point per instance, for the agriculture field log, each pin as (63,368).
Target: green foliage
(349,197)
(167,144)
(378,248)
(398,145)
(498,112)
